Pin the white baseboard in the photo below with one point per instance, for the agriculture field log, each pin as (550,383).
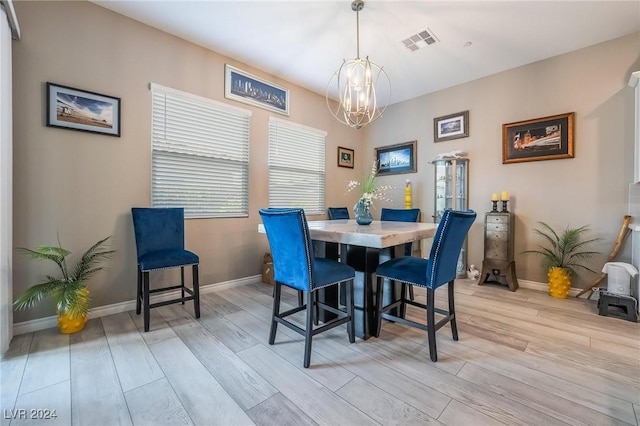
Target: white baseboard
(116,308)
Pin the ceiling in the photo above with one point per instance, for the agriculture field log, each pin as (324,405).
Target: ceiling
(306,41)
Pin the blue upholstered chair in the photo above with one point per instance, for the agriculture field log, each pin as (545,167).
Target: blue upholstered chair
(402,215)
(295,266)
(336,213)
(430,273)
(159,236)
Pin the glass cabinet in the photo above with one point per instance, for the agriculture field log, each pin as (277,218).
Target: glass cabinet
(452,192)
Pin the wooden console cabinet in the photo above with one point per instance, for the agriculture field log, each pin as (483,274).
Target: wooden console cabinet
(498,265)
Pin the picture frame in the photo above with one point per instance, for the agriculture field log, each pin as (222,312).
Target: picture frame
(247,88)
(545,138)
(76,109)
(397,159)
(345,157)
(452,126)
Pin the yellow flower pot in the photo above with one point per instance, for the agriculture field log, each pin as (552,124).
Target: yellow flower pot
(69,325)
(559,282)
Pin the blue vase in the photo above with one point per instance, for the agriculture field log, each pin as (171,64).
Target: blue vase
(362,212)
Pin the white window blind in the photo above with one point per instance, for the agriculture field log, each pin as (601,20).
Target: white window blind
(296,166)
(200,155)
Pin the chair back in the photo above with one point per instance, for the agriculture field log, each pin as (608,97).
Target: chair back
(401,215)
(447,244)
(336,213)
(291,248)
(158,229)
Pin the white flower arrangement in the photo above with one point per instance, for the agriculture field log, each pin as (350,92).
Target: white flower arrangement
(370,191)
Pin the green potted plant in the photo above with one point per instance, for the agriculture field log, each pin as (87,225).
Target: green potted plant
(68,291)
(562,254)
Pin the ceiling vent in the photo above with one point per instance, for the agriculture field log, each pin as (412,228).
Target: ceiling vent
(422,39)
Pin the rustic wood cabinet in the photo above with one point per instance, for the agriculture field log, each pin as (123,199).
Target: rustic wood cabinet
(498,264)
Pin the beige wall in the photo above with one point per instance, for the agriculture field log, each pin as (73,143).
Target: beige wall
(83,185)
(590,189)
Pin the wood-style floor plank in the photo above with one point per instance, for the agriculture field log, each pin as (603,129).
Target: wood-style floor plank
(278,411)
(50,405)
(319,403)
(206,402)
(131,355)
(48,348)
(96,394)
(156,404)
(523,358)
(11,372)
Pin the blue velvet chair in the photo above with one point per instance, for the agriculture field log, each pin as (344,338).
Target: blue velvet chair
(402,215)
(336,213)
(430,273)
(295,266)
(159,234)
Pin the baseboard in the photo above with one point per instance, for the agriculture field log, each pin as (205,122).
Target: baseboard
(535,285)
(116,308)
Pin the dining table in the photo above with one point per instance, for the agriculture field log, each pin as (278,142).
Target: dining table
(383,239)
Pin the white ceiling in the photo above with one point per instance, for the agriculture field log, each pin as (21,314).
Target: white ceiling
(305,41)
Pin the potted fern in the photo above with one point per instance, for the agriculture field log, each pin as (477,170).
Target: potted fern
(562,255)
(68,291)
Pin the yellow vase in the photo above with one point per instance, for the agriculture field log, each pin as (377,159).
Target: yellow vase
(68,325)
(559,282)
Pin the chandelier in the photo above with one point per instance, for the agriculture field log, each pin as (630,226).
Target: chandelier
(359,82)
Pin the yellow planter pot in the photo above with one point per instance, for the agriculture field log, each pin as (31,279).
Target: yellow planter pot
(559,282)
(68,325)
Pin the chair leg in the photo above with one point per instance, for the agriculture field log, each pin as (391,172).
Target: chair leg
(309,329)
(431,325)
(300,298)
(145,300)
(351,328)
(379,286)
(312,297)
(277,289)
(411,295)
(196,291)
(403,297)
(182,283)
(139,293)
(452,311)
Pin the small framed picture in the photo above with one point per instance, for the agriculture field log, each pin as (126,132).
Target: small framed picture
(249,89)
(398,158)
(546,138)
(345,157)
(76,109)
(452,126)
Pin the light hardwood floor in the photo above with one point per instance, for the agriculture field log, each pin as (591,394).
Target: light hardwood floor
(523,358)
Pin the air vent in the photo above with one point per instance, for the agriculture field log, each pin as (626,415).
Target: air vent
(422,39)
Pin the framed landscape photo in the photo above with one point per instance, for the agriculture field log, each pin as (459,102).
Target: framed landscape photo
(345,157)
(452,126)
(76,109)
(396,159)
(244,87)
(546,138)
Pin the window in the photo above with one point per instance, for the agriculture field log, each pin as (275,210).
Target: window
(200,155)
(296,166)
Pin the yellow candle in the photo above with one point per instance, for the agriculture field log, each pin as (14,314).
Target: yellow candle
(407,195)
(494,196)
(505,196)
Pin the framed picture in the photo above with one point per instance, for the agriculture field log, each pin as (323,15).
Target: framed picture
(345,157)
(395,159)
(75,109)
(244,87)
(452,126)
(546,138)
